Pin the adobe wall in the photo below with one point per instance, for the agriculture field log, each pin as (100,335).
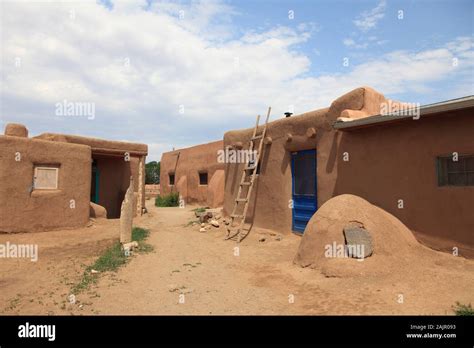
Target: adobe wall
(27,210)
(186,167)
(385,163)
(114,171)
(273,187)
(398,161)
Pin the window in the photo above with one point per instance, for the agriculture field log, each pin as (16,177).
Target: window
(171,179)
(456,173)
(45,177)
(203,178)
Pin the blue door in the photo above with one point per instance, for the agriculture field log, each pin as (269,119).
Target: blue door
(303,172)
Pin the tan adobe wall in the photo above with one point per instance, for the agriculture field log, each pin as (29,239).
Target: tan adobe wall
(114,171)
(404,158)
(398,161)
(23,210)
(192,160)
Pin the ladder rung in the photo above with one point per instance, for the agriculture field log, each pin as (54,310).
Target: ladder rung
(257,137)
(236,216)
(246,183)
(241,199)
(250,168)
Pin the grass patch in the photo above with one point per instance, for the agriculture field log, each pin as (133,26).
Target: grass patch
(200,210)
(461,309)
(112,259)
(171,200)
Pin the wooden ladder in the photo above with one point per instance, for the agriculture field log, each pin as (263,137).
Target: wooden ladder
(250,172)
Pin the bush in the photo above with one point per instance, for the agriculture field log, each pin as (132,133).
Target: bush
(461,309)
(171,200)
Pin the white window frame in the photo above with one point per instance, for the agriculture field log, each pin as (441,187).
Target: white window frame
(56,169)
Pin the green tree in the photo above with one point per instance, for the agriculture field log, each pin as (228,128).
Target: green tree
(152,173)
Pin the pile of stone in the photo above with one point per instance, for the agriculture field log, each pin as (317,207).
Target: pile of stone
(208,219)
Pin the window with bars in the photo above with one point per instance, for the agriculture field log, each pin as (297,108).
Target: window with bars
(456,173)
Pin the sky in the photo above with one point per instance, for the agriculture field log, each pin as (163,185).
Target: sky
(173,74)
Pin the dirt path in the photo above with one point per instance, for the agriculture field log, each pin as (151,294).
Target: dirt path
(199,273)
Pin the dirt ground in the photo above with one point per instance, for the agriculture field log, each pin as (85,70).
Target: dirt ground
(199,273)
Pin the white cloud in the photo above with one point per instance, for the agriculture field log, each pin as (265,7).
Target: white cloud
(352,44)
(142,68)
(368,19)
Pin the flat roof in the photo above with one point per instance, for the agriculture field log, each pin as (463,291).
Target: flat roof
(435,108)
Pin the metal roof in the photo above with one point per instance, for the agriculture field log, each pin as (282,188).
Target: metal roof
(448,105)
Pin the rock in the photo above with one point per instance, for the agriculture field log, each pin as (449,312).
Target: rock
(227,221)
(215,223)
(358,242)
(202,229)
(217,216)
(278,238)
(130,245)
(93,271)
(203,225)
(262,239)
(205,217)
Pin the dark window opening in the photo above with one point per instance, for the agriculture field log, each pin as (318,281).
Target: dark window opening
(171,176)
(456,173)
(202,178)
(304,167)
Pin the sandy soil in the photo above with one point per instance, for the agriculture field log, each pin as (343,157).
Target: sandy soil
(203,267)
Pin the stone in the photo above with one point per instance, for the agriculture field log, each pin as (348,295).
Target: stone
(263,239)
(215,223)
(358,242)
(126,215)
(202,229)
(203,225)
(204,217)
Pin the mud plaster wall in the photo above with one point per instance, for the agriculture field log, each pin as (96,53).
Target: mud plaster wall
(405,158)
(273,187)
(114,179)
(23,210)
(192,160)
(114,170)
(398,161)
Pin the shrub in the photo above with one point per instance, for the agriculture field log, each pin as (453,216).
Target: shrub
(461,309)
(171,200)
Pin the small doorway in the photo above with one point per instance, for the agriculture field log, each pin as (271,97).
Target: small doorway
(95,183)
(304,192)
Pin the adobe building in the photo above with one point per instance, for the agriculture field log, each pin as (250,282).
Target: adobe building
(402,163)
(48,182)
(195,173)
